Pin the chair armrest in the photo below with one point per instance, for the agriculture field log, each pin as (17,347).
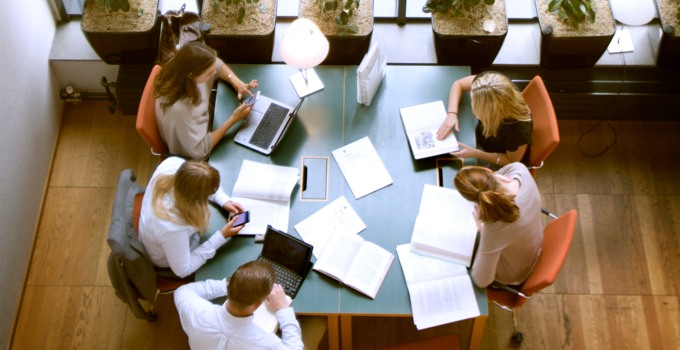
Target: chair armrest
(500,286)
(548,213)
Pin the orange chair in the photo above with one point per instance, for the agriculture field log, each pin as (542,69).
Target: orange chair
(146,118)
(442,342)
(545,134)
(163,283)
(557,237)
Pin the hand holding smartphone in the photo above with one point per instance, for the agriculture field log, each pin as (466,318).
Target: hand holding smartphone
(252,99)
(241,218)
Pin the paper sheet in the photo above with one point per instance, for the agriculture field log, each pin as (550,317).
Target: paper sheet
(337,216)
(361,165)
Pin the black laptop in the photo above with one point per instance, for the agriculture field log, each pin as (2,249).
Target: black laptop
(290,257)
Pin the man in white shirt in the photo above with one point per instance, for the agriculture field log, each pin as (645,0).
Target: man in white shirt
(230,326)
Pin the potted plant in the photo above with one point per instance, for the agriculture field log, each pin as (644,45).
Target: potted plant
(574,33)
(122,31)
(347,24)
(668,52)
(467,32)
(241,31)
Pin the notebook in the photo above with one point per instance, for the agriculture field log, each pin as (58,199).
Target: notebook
(265,126)
(290,257)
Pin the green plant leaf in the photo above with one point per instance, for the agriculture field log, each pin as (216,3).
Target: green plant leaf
(354,28)
(262,8)
(241,15)
(341,31)
(125,5)
(554,5)
(344,18)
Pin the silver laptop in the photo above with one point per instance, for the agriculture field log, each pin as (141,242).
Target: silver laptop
(265,126)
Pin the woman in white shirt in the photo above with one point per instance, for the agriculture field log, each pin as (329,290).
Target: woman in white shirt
(175,211)
(507,211)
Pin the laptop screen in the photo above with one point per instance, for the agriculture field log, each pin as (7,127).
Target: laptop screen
(286,251)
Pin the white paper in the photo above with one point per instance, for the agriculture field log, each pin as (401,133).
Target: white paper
(338,216)
(264,190)
(266,319)
(440,292)
(164,6)
(621,42)
(362,168)
(445,226)
(421,123)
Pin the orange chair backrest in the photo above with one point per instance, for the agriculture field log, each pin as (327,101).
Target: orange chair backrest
(146,117)
(545,135)
(137,210)
(557,237)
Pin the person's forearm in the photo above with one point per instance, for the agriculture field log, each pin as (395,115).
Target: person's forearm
(496,158)
(217,134)
(457,89)
(454,98)
(229,76)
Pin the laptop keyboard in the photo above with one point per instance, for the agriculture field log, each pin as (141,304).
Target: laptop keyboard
(289,281)
(269,125)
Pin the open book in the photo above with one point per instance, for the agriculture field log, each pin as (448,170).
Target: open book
(264,190)
(440,291)
(445,227)
(421,123)
(355,262)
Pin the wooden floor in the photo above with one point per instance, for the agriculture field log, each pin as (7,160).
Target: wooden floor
(618,289)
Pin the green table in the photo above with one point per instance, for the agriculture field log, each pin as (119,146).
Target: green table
(327,120)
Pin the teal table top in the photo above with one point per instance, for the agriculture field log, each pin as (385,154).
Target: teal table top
(328,120)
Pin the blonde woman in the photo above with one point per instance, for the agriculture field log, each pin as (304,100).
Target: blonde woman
(507,211)
(504,129)
(175,211)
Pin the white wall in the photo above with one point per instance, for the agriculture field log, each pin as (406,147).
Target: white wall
(30,113)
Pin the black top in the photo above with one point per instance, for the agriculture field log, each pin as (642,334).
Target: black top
(510,136)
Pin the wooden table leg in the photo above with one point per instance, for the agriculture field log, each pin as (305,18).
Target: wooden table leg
(346,332)
(476,333)
(333,332)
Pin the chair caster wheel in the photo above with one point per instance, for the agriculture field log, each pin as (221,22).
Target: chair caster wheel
(517,337)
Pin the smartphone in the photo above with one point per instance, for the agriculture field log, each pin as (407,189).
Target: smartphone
(241,218)
(251,99)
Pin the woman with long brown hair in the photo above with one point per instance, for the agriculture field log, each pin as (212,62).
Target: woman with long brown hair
(507,211)
(182,90)
(175,211)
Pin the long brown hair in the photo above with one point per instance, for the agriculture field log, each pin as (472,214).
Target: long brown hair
(191,186)
(495,100)
(176,78)
(478,184)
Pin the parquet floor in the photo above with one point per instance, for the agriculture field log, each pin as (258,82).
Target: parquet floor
(618,289)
